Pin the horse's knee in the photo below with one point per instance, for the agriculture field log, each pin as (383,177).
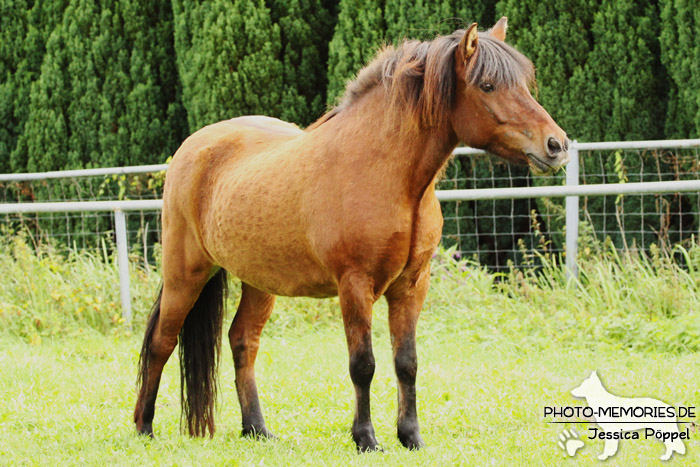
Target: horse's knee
(362,367)
(406,365)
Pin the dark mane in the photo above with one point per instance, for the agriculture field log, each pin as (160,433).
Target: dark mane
(420,75)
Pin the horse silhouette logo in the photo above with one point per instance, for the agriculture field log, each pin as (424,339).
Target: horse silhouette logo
(623,418)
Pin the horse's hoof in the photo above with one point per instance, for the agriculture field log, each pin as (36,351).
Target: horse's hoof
(409,435)
(412,441)
(256,433)
(146,430)
(365,440)
(369,448)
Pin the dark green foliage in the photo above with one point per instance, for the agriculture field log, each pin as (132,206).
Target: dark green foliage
(24,28)
(306,28)
(228,59)
(680,53)
(152,122)
(13,30)
(359,33)
(617,93)
(107,91)
(422,20)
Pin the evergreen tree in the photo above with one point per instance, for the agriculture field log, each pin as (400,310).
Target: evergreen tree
(680,54)
(13,31)
(153,121)
(24,30)
(359,33)
(228,60)
(107,92)
(44,141)
(483,12)
(618,94)
(306,27)
(419,19)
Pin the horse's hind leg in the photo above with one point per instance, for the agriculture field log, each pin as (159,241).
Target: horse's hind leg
(405,300)
(184,277)
(253,311)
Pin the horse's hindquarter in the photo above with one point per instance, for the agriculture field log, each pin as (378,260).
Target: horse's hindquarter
(252,222)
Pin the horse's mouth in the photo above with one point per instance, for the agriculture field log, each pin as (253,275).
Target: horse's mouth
(540,167)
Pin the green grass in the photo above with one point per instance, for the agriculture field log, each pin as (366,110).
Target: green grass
(493,352)
(69,402)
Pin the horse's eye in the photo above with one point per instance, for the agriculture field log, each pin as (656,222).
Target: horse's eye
(486,87)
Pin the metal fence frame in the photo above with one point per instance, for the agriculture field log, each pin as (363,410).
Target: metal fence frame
(571,191)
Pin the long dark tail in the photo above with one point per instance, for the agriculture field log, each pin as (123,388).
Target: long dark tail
(200,346)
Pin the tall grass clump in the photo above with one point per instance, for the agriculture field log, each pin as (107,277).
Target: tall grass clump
(630,301)
(53,291)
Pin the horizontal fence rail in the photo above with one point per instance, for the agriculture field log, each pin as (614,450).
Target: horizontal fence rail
(133,169)
(83,206)
(571,191)
(680,186)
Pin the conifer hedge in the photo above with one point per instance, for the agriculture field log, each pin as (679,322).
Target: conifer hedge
(114,82)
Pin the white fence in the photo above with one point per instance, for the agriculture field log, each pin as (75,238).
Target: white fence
(571,191)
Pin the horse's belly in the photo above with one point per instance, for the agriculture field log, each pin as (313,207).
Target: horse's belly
(269,253)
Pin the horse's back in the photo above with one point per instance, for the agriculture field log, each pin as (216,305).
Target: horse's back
(220,146)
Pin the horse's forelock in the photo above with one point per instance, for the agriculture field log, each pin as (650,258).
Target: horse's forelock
(500,63)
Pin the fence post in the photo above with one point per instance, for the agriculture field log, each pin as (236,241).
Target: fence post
(123,263)
(572,215)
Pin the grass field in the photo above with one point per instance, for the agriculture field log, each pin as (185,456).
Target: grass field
(493,352)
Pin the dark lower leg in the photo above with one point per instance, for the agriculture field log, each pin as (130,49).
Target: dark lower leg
(406,366)
(405,302)
(361,372)
(145,407)
(251,414)
(253,312)
(356,301)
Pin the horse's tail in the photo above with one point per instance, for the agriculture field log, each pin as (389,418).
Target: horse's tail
(200,345)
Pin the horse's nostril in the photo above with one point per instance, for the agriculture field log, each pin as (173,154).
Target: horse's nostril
(553,146)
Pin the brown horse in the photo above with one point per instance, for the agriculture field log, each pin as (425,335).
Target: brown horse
(346,207)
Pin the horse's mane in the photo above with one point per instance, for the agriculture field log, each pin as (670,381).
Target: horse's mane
(420,76)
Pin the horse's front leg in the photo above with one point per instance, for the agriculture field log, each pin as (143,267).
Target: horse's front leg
(405,299)
(356,300)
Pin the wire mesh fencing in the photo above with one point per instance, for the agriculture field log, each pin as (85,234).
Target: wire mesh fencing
(498,234)
(519,232)
(85,230)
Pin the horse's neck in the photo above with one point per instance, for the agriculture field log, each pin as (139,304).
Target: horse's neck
(394,147)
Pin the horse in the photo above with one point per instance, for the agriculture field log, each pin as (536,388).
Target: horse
(345,207)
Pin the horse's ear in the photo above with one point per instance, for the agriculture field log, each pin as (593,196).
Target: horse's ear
(498,31)
(468,44)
